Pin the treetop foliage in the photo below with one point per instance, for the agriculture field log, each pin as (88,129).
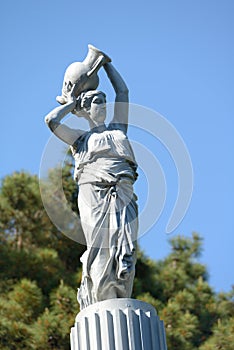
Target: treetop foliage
(40,272)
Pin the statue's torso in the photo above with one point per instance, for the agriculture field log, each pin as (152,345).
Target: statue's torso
(103,156)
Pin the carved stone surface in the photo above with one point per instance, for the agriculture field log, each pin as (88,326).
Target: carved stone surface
(105,170)
(118,324)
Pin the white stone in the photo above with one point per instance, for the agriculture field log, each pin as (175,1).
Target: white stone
(118,324)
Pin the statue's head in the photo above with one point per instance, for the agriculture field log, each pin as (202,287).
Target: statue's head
(92,105)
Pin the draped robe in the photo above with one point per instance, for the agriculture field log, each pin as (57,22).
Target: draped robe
(105,169)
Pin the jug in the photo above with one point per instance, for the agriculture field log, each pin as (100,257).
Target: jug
(83,74)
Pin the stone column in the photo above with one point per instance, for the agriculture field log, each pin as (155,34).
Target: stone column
(118,324)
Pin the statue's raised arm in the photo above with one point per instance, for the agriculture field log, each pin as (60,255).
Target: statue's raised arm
(121,99)
(53,118)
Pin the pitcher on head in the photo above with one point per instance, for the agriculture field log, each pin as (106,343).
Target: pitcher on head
(83,74)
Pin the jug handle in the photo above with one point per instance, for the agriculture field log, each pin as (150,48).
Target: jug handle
(99,62)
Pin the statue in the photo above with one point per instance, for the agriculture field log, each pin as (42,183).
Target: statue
(105,169)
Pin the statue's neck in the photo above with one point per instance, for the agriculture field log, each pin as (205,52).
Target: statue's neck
(98,128)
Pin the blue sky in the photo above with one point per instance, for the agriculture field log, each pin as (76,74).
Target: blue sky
(177,59)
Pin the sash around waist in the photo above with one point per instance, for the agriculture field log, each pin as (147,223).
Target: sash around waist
(106,171)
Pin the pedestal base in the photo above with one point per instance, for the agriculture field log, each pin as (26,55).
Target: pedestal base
(118,324)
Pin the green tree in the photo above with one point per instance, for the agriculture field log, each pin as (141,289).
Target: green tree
(52,329)
(40,271)
(22,214)
(222,337)
(19,308)
(177,286)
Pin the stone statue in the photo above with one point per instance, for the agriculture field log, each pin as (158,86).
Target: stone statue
(105,169)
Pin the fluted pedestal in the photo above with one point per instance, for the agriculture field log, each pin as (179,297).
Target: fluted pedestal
(118,324)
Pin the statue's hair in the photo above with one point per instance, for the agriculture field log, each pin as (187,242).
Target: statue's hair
(84,101)
(87,96)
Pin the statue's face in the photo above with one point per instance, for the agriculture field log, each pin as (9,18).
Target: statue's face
(97,108)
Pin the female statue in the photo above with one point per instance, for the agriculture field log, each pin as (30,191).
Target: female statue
(105,169)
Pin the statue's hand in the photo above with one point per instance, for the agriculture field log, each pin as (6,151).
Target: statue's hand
(78,111)
(70,93)
(72,90)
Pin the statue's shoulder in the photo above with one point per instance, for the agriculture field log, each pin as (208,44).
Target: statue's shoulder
(120,128)
(80,142)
